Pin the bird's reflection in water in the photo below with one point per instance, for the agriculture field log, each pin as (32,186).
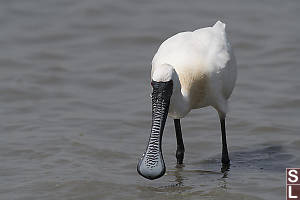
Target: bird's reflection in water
(182,181)
(185,178)
(177,184)
(178,174)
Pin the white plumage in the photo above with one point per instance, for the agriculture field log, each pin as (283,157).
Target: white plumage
(202,66)
(190,70)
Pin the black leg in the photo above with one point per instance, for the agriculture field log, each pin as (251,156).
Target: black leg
(225,157)
(180,145)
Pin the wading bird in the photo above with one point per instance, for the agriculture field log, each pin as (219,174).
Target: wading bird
(190,70)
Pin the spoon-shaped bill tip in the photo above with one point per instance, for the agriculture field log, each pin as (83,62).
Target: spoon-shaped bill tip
(151,169)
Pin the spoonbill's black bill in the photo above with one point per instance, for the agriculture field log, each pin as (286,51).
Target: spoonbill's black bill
(152,164)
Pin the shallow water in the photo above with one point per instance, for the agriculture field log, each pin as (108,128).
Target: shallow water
(75,106)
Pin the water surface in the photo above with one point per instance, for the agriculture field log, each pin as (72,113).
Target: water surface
(75,110)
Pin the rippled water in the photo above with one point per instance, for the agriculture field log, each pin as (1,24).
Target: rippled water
(75,106)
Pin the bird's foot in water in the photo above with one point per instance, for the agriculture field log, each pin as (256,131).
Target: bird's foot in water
(180,155)
(225,167)
(180,165)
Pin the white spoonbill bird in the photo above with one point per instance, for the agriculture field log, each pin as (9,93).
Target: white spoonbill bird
(190,70)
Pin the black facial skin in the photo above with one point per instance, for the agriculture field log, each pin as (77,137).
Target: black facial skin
(151,165)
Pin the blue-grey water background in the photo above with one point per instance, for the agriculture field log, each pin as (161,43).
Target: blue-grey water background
(75,111)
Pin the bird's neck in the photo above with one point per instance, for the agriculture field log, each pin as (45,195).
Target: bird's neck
(179,105)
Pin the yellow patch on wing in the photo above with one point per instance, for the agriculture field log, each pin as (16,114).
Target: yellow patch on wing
(195,83)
